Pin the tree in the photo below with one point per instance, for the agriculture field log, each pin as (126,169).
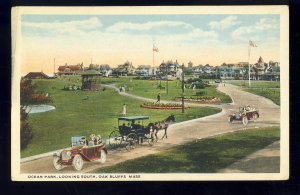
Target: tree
(28,96)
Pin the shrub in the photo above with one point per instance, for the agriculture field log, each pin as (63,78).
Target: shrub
(200,93)
(25,129)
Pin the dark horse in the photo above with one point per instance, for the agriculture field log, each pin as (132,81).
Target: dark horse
(162,125)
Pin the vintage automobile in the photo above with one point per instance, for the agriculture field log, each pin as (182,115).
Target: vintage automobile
(244,114)
(81,150)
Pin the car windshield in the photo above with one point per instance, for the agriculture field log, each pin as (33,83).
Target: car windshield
(78,140)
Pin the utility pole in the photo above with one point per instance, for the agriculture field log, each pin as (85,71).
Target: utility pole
(182,86)
(54,68)
(167,85)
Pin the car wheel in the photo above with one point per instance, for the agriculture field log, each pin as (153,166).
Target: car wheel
(77,162)
(56,163)
(255,116)
(230,119)
(245,120)
(102,156)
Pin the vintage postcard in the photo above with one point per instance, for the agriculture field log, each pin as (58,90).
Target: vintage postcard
(160,93)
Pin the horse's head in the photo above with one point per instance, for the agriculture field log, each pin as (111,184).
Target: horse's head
(171,118)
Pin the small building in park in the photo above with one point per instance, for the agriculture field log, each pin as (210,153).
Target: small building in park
(36,75)
(91,80)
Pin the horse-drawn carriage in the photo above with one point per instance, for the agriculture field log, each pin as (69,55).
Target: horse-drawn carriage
(132,131)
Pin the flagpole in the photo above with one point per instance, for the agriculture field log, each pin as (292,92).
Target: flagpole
(153,55)
(249,51)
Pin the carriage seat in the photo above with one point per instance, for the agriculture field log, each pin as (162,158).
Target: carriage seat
(124,130)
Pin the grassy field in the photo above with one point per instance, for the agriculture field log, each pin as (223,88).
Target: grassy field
(272,94)
(172,89)
(203,156)
(268,89)
(75,116)
(256,84)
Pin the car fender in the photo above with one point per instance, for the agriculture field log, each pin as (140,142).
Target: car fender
(57,154)
(105,150)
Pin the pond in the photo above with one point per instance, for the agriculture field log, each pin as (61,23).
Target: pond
(39,108)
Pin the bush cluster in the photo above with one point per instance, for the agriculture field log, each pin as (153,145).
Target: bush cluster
(25,129)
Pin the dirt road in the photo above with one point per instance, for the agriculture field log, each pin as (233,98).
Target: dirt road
(180,133)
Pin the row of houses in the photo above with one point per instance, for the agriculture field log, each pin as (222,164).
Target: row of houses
(258,71)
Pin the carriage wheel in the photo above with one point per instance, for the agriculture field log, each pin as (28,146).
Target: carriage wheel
(131,141)
(115,139)
(152,139)
(141,138)
(230,119)
(245,121)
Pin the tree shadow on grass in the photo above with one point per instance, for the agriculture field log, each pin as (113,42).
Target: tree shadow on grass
(204,156)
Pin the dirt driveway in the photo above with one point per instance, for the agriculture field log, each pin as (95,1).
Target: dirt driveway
(180,133)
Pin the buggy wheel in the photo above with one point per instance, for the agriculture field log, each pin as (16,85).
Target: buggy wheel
(131,141)
(115,139)
(102,156)
(77,162)
(230,119)
(141,138)
(56,163)
(245,121)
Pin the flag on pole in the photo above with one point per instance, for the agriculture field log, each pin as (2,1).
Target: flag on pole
(155,48)
(252,44)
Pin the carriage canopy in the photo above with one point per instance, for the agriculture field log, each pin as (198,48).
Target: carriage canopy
(131,118)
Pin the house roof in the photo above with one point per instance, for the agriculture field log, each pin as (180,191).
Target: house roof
(36,74)
(71,67)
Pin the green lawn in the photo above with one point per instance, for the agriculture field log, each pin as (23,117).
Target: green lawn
(172,89)
(203,156)
(268,89)
(272,94)
(75,116)
(256,84)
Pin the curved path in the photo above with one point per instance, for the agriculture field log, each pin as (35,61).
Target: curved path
(180,133)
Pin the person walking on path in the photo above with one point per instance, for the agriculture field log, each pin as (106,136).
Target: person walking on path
(124,110)
(158,98)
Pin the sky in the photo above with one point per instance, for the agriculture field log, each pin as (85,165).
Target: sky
(113,39)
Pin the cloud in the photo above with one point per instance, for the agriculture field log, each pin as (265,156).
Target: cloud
(223,24)
(168,30)
(262,25)
(63,27)
(121,26)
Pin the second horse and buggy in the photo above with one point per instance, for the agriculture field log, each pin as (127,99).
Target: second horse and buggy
(132,131)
